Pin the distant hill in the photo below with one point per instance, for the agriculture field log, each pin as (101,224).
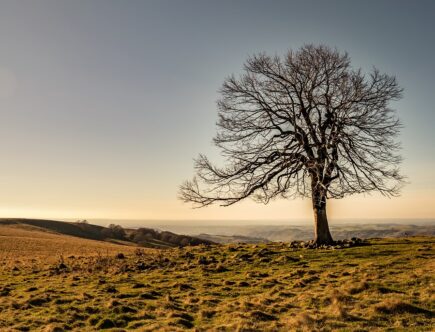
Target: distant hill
(145,237)
(148,237)
(23,244)
(243,232)
(83,230)
(339,231)
(225,239)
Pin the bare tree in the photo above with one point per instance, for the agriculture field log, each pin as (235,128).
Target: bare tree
(305,125)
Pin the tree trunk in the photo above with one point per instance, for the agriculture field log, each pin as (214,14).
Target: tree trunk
(321,227)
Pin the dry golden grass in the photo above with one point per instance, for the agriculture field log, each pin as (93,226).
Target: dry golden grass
(23,244)
(268,287)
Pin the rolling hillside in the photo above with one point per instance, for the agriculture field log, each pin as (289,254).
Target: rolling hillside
(144,237)
(21,244)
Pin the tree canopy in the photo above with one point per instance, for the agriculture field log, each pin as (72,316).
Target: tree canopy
(303,125)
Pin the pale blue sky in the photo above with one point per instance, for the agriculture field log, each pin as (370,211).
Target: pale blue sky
(103,104)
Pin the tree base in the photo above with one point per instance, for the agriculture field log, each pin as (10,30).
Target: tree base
(339,244)
(318,242)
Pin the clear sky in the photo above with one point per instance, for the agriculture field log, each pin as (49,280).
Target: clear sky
(104,104)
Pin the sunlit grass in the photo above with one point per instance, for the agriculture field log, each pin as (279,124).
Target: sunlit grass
(388,284)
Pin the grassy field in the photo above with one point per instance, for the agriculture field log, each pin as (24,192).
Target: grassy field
(23,245)
(50,282)
(144,237)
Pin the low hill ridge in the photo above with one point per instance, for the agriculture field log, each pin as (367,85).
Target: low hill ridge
(145,237)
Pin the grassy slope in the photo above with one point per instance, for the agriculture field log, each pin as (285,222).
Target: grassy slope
(92,232)
(246,287)
(82,230)
(21,244)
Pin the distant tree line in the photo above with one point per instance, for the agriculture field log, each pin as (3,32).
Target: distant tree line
(115,232)
(145,235)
